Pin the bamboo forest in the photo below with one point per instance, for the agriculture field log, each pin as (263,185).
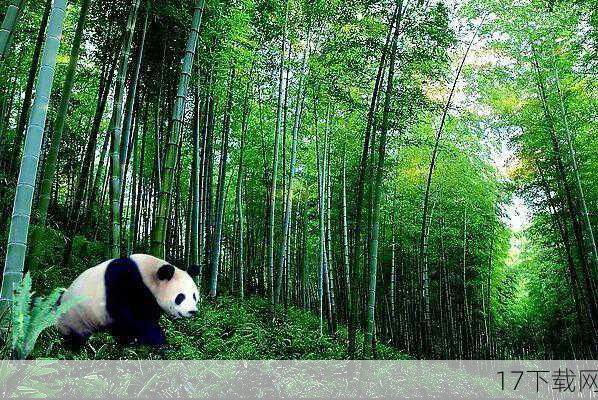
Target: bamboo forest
(354,179)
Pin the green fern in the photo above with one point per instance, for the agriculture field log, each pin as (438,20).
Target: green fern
(20,311)
(30,317)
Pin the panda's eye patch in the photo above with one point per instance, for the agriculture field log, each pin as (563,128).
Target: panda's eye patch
(179,299)
(194,297)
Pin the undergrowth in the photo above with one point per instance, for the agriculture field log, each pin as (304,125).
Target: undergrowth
(226,329)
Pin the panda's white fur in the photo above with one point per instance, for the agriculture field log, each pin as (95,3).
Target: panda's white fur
(89,313)
(112,294)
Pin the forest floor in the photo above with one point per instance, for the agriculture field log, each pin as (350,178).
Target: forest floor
(231,329)
(226,329)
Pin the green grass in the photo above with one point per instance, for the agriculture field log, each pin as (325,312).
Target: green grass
(226,329)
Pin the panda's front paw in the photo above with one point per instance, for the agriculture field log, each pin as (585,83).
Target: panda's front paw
(154,337)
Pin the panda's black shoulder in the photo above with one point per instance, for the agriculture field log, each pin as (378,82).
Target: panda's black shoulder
(126,293)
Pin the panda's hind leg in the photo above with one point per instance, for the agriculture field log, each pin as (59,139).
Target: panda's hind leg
(74,342)
(138,332)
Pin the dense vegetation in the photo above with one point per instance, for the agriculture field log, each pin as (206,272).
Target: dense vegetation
(349,172)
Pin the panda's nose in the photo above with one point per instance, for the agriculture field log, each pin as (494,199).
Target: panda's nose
(193,312)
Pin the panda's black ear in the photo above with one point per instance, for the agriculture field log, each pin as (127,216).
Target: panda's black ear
(165,272)
(193,270)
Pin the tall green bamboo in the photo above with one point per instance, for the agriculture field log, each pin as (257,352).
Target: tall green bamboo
(86,174)
(117,119)
(28,98)
(133,208)
(355,254)
(376,195)
(345,234)
(570,201)
(128,121)
(195,179)
(159,229)
(87,179)
(423,243)
(220,193)
(49,169)
(321,167)
(239,201)
(11,18)
(277,134)
(573,155)
(19,225)
(289,189)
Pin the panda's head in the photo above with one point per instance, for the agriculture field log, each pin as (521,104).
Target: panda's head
(177,293)
(174,289)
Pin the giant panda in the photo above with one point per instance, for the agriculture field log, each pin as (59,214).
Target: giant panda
(127,296)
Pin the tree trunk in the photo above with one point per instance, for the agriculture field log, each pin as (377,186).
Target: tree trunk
(466,314)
